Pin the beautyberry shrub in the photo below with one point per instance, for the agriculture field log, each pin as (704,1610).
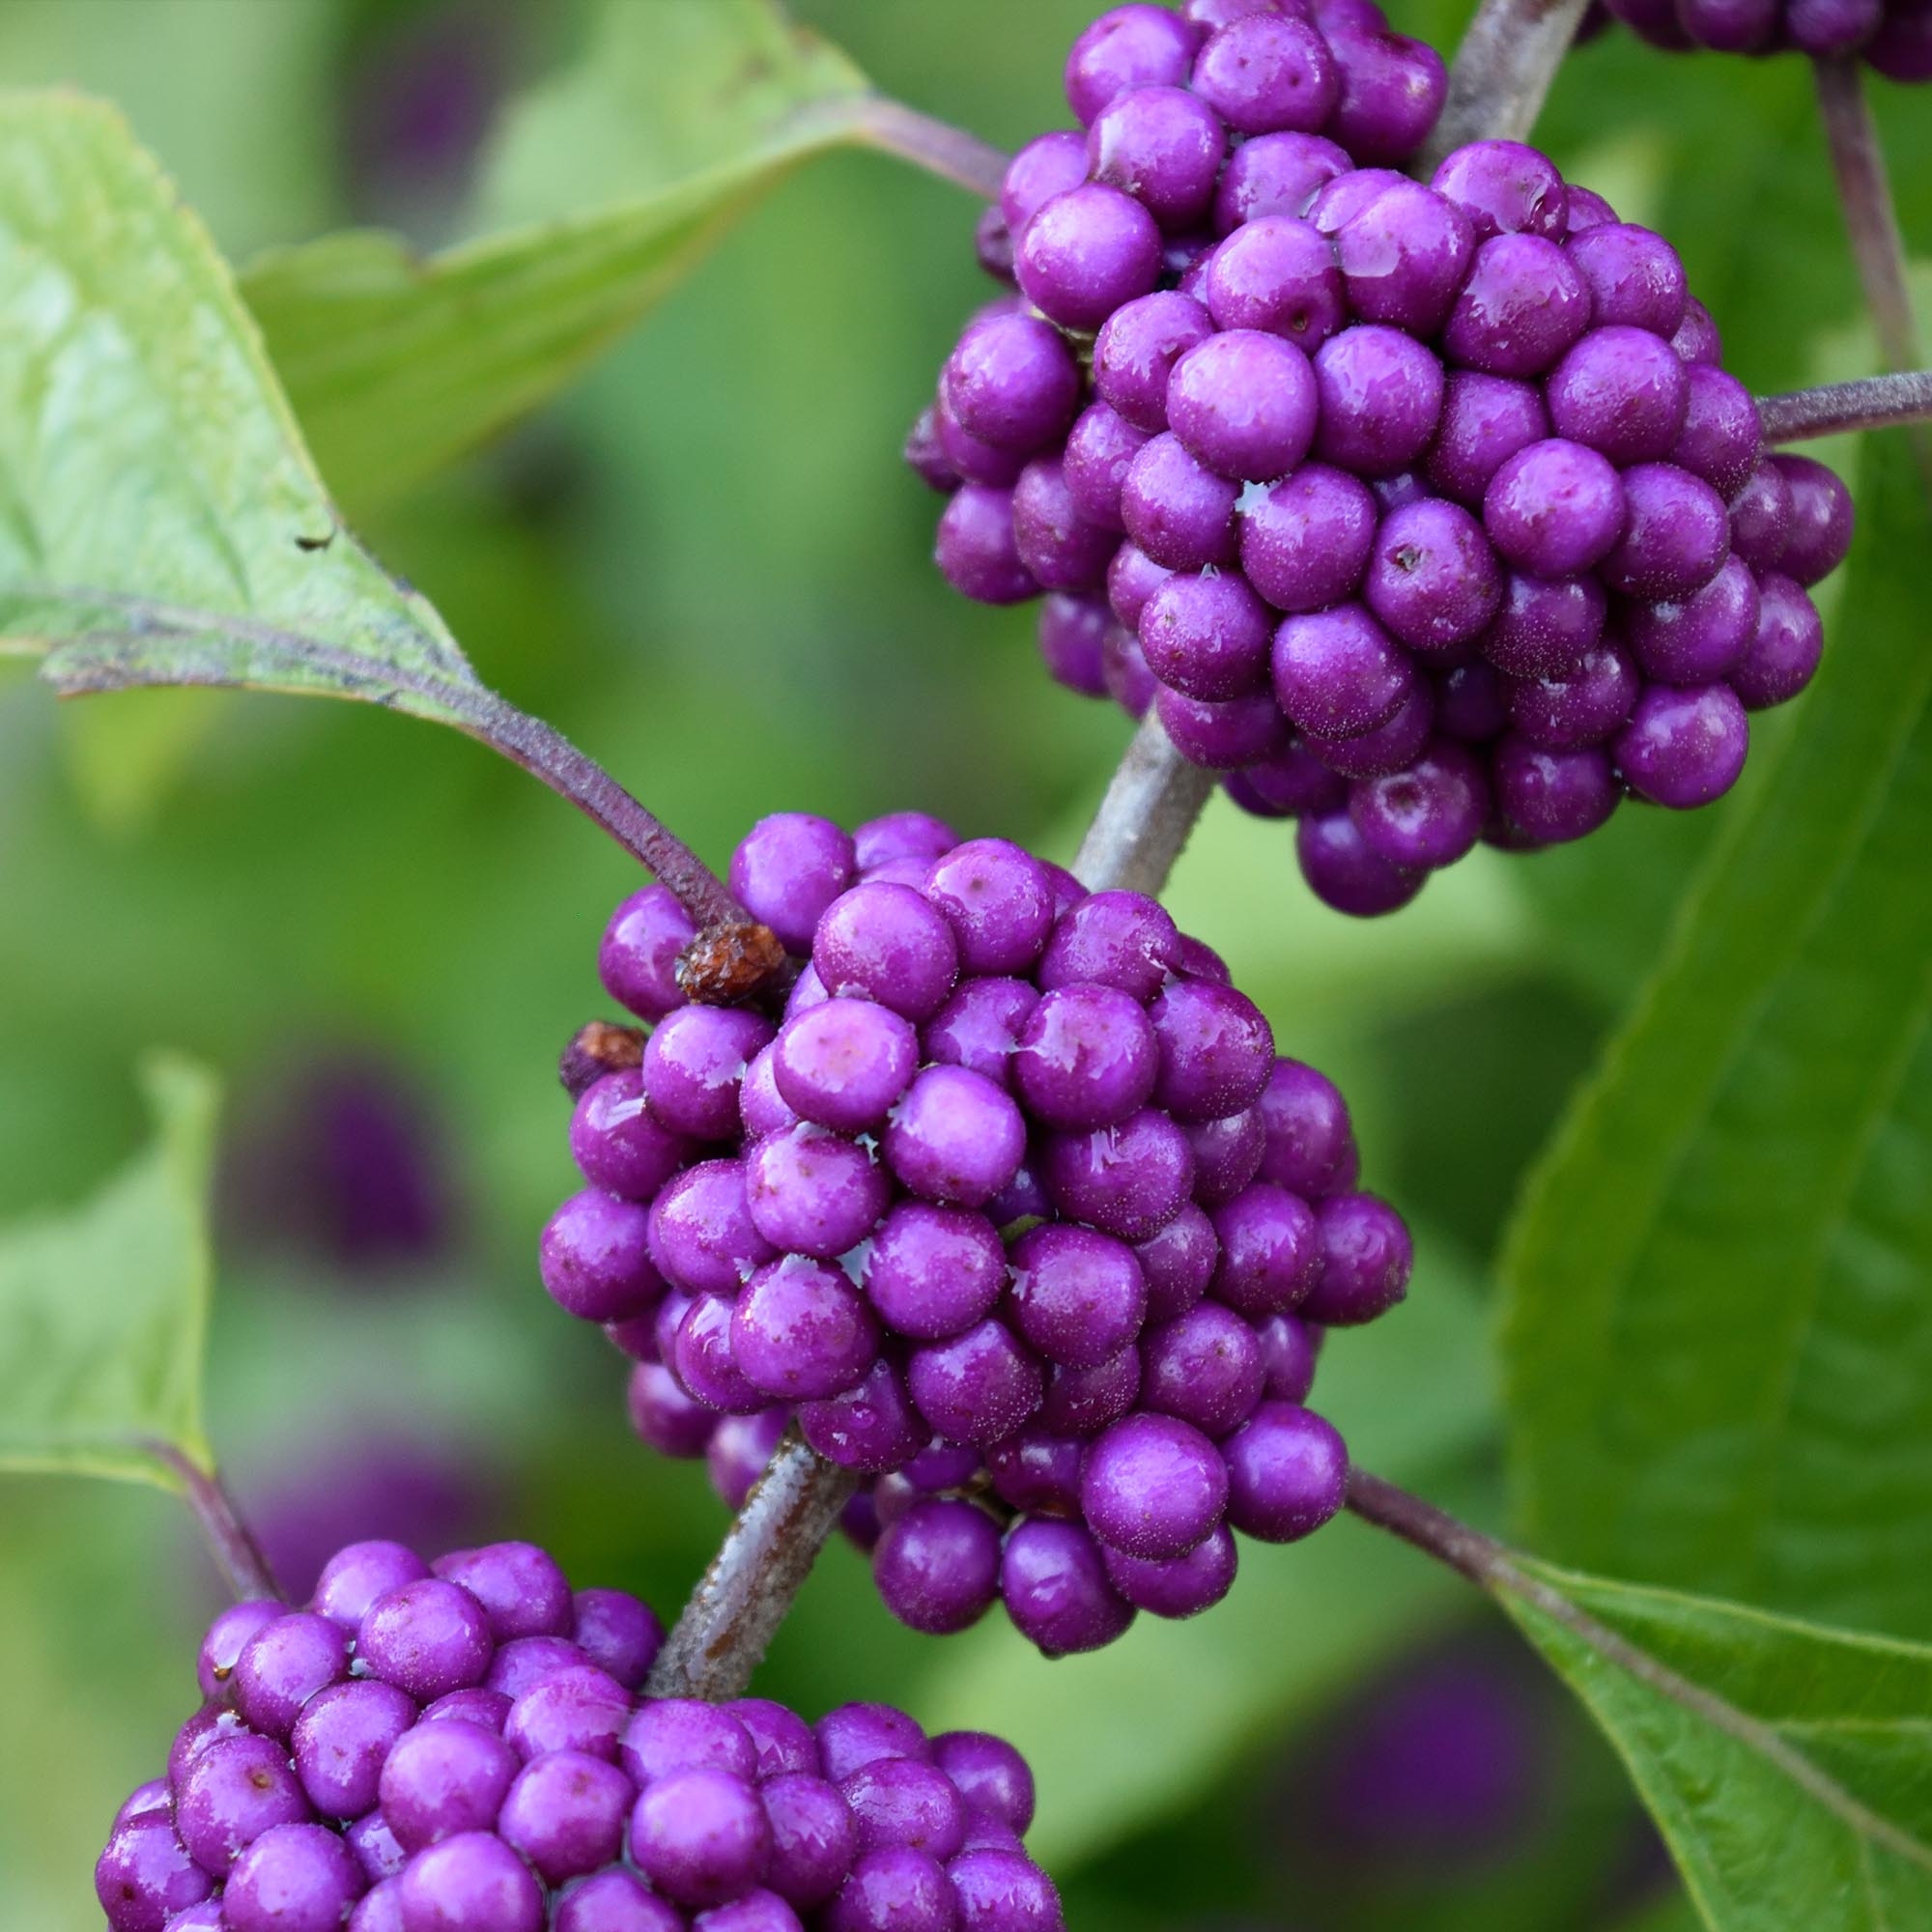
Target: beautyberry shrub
(464,1747)
(1013,1209)
(1426,513)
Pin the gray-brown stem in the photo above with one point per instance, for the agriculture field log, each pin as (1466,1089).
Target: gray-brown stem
(1872,402)
(243,1568)
(1503,73)
(1152,804)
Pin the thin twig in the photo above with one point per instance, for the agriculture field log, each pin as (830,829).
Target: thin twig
(943,150)
(1870,219)
(1872,402)
(735,1611)
(1503,73)
(230,1541)
(1152,804)
(1495,1568)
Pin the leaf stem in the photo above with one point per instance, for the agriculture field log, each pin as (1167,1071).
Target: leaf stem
(1872,402)
(736,1609)
(1502,73)
(243,1568)
(941,149)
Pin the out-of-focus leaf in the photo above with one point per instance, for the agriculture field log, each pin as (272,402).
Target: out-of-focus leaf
(103,1310)
(1719,1343)
(1140,1728)
(160,522)
(1784,1762)
(616,177)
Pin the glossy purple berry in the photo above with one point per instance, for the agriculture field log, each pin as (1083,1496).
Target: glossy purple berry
(1622,391)
(1683,747)
(1345,872)
(1366,1258)
(1086,252)
(1380,394)
(1288,1471)
(938,1566)
(1554,508)
(1243,403)
(1013,382)
(1176,509)
(1504,188)
(1054,1582)
(1821,519)
(787,869)
(1428,814)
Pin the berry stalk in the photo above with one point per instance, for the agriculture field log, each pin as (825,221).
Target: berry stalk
(941,149)
(1153,802)
(736,1609)
(1872,402)
(243,1568)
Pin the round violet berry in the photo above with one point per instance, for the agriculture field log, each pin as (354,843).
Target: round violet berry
(1676,536)
(1380,397)
(232,1631)
(1696,339)
(1085,253)
(1722,436)
(1699,637)
(856,1735)
(1226,1154)
(1338,673)
(340,1741)
(1305,542)
(619,1633)
(955,1138)
(1392,93)
(886,943)
(784,1741)
(1206,635)
(1083,1402)
(615,1900)
(1554,508)
(1405,255)
(1433,580)
(1072,636)
(1587,209)
(1275,174)
(900,1801)
(1215,1050)
(444,1778)
(1054,1581)
(427,1638)
(901,835)
(801,1332)
(999,902)
(1783,652)
(673,1735)
(1288,785)
(1047,166)
(872,1427)
(566,1814)
(703,1235)
(989,1774)
(1136,353)
(976,553)
(1277,275)
(1821,519)
(144,1878)
(356,1575)
(1547,626)
(1635,278)
(523,1590)
(1622,391)
(1164,147)
(1118,939)
(1390,748)
(1177,510)
(1100,448)
(1366,1257)
(1288,1348)
(617,1143)
(1179,1263)
(894,1890)
(934,1271)
(1523,306)
(638,958)
(471,1882)
(1485,420)
(1761,516)
(663,1415)
(787,869)
(581,1709)
(236,1788)
(814,1838)
(1003,1891)
(1183,1586)
(1270,1251)
(595,1259)
(693,1062)
(1059,549)
(1129,682)
(938,1568)
(976,1387)
(1127,47)
(489,1708)
(1267,73)
(1087,1057)
(1128,1180)
(974,462)
(1013,382)
(1038,1473)
(1428,814)
(1311,1142)
(1549,798)
(1203,1368)
(294,1878)
(1288,1470)
(1683,747)
(1152,1487)
(978,1028)
(845,1063)
(1078,1296)
(1504,188)
(1562,714)
(1222,737)
(1243,403)
(1345,873)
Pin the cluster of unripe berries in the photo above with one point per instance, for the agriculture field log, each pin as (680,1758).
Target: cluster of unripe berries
(1013,1209)
(1424,512)
(464,1748)
(1893,37)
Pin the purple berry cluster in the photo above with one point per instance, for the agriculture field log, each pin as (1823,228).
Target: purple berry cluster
(1424,512)
(1013,1211)
(462,1748)
(1893,37)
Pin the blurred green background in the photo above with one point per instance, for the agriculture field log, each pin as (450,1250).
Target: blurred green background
(706,564)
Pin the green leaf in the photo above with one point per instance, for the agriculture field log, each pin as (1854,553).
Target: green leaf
(1411,1394)
(159,518)
(1786,1763)
(620,176)
(103,1310)
(1718,1339)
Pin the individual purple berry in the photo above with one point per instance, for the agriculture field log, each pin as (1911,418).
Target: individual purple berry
(979,1387)
(1078,1297)
(871,1427)
(1425,815)
(1268,74)
(1311,1144)
(1100,448)
(617,1144)
(1635,278)
(1086,252)
(1344,873)
(1504,189)
(1782,653)
(976,553)
(1274,174)
(637,959)
(999,902)
(427,1638)
(1405,256)
(1696,339)
(1152,1487)
(340,1741)
(1821,519)
(444,1778)
(693,1062)
(1013,382)
(955,1138)
(1699,637)
(469,1883)
(844,1064)
(1288,1471)
(1215,1050)
(1059,549)
(1338,673)
(1288,1348)
(886,943)
(1278,274)
(1083,1402)
(1087,1057)
(938,1567)
(1366,1257)
(703,1237)
(1392,91)
(1676,536)
(1127,47)
(1562,714)
(230,1632)
(801,1331)
(663,1415)
(1547,627)
(1683,747)
(1433,580)
(1176,509)
(1136,353)
(1054,1582)
(1381,398)
(1164,146)
(1183,1586)
(787,869)
(1072,645)
(1554,508)
(1622,391)
(239,1787)
(144,1878)
(294,1878)
(595,1259)
(1243,403)
(615,1900)
(1485,421)
(1305,542)
(1549,798)
(1722,438)
(1761,516)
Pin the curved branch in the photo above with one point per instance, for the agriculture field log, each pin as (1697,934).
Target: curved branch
(948,151)
(1152,803)
(243,1568)
(1872,402)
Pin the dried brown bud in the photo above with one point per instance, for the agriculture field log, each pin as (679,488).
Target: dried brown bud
(597,1048)
(730,963)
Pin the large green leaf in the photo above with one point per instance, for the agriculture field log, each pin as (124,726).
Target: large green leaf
(159,518)
(103,1310)
(1720,1338)
(1786,1763)
(1139,1729)
(616,179)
